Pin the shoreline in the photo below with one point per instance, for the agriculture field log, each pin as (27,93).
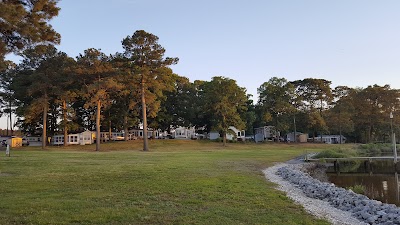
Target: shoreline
(318,208)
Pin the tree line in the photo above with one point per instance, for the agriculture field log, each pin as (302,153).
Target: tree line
(53,93)
(312,106)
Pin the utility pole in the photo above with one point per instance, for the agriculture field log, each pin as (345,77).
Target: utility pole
(393,138)
(294,124)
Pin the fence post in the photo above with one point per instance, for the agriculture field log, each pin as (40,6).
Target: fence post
(8,150)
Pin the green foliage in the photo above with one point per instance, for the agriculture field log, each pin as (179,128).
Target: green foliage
(315,121)
(144,57)
(314,93)
(180,105)
(313,98)
(358,188)
(372,108)
(42,84)
(7,94)
(219,139)
(25,23)
(340,152)
(275,103)
(375,149)
(138,82)
(99,85)
(357,150)
(340,117)
(225,103)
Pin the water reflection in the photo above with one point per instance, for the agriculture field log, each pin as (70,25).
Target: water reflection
(379,183)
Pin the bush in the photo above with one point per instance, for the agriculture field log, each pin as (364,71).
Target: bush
(219,139)
(336,153)
(360,150)
(374,149)
(358,188)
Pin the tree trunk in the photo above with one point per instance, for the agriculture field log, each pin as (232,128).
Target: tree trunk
(294,124)
(65,122)
(98,125)
(7,126)
(109,131)
(44,133)
(313,137)
(321,138)
(369,134)
(11,125)
(340,128)
(224,138)
(276,125)
(144,115)
(126,132)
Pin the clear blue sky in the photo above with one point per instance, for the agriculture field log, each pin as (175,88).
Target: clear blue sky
(349,42)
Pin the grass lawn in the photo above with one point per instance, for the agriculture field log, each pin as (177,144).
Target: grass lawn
(176,182)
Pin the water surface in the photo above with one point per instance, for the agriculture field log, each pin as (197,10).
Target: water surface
(379,179)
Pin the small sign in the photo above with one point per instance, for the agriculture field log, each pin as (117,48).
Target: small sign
(8,150)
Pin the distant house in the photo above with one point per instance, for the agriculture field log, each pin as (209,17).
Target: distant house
(115,136)
(83,138)
(265,133)
(233,134)
(72,139)
(331,139)
(87,137)
(298,137)
(138,133)
(34,140)
(213,135)
(239,134)
(183,133)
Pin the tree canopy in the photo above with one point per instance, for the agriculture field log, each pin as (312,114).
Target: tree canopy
(52,93)
(24,23)
(149,68)
(225,103)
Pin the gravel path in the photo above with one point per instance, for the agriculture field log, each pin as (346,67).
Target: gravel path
(316,207)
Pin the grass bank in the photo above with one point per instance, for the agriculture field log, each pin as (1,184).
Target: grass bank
(177,182)
(357,150)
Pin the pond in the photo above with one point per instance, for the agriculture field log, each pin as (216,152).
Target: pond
(379,180)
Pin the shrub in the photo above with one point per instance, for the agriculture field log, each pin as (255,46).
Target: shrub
(358,188)
(336,153)
(374,149)
(219,139)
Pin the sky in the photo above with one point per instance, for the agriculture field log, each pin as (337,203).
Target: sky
(349,42)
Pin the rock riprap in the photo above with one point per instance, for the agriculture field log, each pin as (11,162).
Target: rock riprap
(361,207)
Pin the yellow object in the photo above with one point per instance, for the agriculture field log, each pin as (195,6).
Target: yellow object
(15,142)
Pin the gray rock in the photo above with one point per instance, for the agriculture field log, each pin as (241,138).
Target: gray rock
(369,211)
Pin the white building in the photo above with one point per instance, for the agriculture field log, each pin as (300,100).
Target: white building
(138,133)
(84,138)
(239,134)
(213,135)
(183,133)
(231,135)
(115,136)
(331,139)
(265,133)
(299,137)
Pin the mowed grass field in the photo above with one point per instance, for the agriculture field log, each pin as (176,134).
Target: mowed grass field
(176,182)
